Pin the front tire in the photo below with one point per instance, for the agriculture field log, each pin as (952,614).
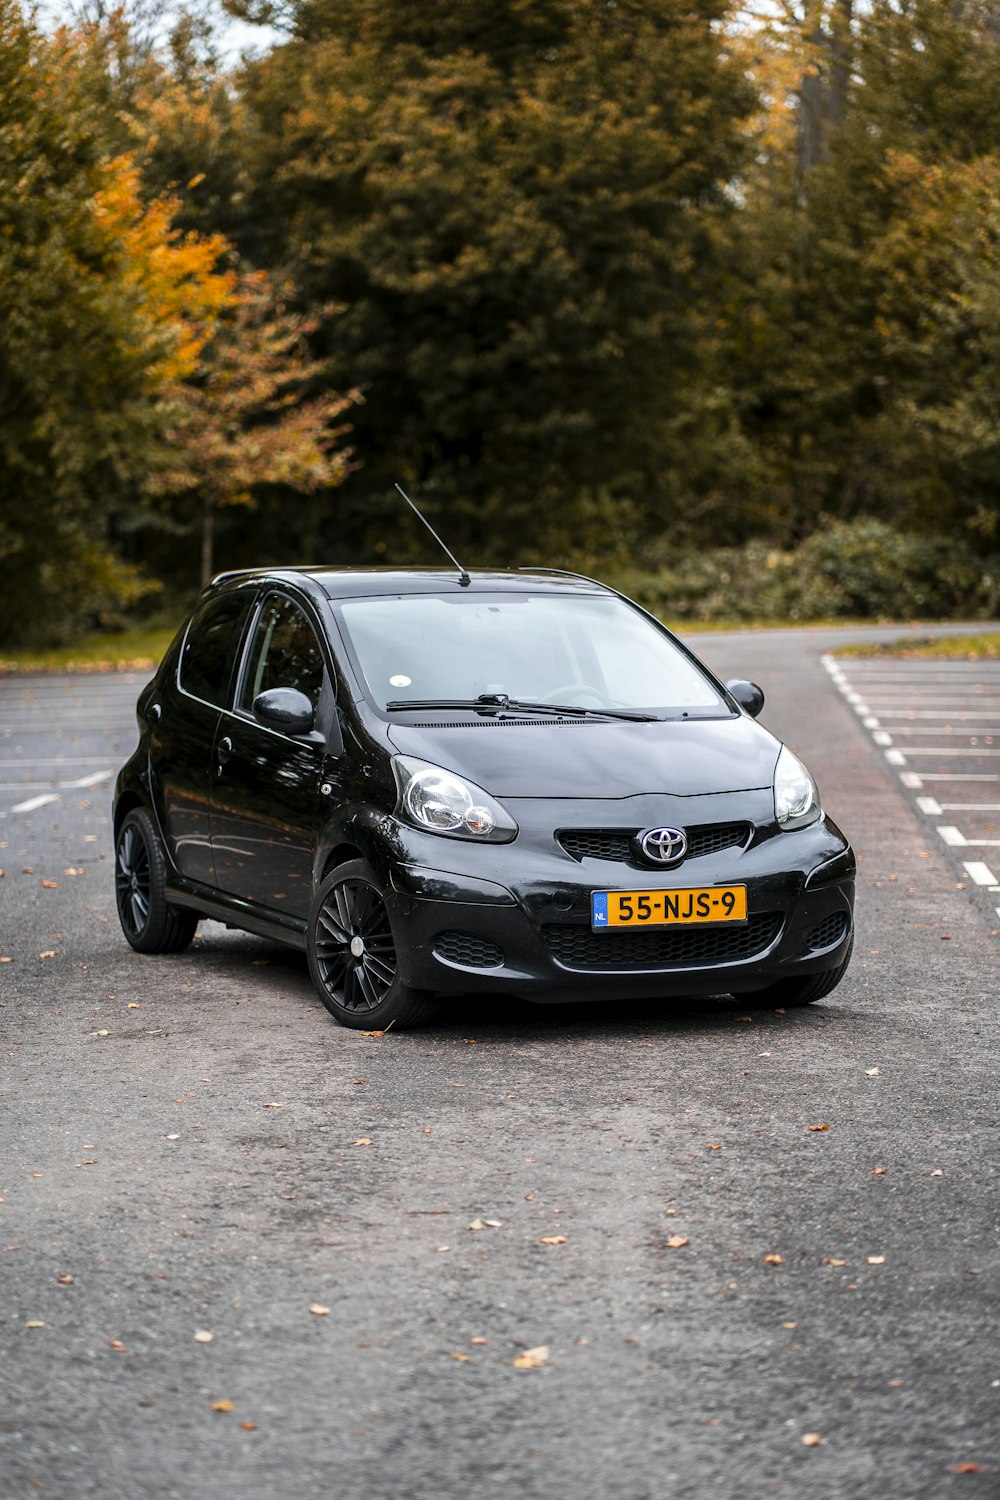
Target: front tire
(148,920)
(352,955)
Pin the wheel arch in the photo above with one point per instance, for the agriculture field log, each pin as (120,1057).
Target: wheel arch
(340,854)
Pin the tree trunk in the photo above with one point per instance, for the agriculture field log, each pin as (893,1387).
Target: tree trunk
(207,541)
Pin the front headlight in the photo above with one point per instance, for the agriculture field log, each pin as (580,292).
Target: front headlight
(441,802)
(796,798)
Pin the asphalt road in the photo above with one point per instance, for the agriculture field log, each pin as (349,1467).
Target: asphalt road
(192,1148)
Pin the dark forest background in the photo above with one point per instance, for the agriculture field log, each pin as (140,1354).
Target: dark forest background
(702,298)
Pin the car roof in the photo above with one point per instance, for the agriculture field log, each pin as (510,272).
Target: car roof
(356,583)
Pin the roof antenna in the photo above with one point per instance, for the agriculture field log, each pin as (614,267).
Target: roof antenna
(463,576)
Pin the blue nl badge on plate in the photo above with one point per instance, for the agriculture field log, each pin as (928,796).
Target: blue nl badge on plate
(599,909)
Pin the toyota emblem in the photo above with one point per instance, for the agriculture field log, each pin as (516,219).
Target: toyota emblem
(663,846)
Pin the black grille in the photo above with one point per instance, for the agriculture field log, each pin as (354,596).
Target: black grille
(580,948)
(616,843)
(829,931)
(468,950)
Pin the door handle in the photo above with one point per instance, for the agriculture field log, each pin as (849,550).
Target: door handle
(223,751)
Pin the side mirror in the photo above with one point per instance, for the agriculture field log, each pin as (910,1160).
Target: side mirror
(285,709)
(747,694)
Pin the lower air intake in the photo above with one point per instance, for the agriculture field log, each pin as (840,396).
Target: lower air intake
(469,951)
(829,931)
(578,947)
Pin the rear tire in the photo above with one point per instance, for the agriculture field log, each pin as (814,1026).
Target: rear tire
(807,989)
(148,920)
(352,955)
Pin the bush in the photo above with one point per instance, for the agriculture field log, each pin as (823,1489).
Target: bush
(845,570)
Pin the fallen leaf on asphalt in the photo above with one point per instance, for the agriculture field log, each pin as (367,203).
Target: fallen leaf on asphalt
(362,1140)
(462,1358)
(789,1325)
(677,1241)
(171,1137)
(65,1280)
(876,1260)
(272,1104)
(117,1346)
(4,959)
(872,1072)
(937,1172)
(478,1341)
(829,1262)
(817,1127)
(744,1018)
(715,1145)
(49,885)
(772,1259)
(48,953)
(373,1033)
(27,870)
(318,1310)
(134,1005)
(223,1405)
(75,870)
(202,1336)
(260,963)
(811,1439)
(532,1359)
(249,1426)
(477,1224)
(493,1223)
(443,1249)
(878,1171)
(552,1239)
(968,1468)
(35,1323)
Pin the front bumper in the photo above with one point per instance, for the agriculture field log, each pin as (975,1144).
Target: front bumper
(516,918)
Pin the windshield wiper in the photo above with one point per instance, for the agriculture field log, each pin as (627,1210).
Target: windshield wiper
(500,703)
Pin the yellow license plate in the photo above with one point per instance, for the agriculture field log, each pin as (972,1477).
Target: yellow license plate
(712,903)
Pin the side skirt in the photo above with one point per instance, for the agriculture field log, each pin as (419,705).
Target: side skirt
(236,913)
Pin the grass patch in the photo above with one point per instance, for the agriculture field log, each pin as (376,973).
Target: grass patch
(984,646)
(123,651)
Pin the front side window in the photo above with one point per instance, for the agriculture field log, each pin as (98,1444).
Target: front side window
(210,647)
(284,653)
(577,650)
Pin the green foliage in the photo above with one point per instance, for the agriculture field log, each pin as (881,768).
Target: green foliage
(518,209)
(843,571)
(73,408)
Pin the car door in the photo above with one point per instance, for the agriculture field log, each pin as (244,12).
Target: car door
(184,720)
(266,783)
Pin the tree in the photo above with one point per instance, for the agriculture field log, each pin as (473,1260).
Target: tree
(238,420)
(519,209)
(99,296)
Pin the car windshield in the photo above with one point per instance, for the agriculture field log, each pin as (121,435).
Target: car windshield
(577,650)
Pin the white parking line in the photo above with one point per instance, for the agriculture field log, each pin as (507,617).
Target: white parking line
(34,802)
(899,705)
(90,780)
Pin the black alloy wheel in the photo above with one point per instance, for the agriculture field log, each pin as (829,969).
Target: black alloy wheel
(352,954)
(148,920)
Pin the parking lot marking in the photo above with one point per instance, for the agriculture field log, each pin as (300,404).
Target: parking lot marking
(956,706)
(35,802)
(90,780)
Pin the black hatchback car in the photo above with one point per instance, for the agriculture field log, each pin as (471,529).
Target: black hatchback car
(437,783)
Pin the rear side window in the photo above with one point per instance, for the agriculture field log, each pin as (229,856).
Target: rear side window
(210,647)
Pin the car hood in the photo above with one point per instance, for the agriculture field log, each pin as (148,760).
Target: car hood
(593,758)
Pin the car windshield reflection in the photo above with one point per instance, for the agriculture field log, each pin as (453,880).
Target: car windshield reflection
(581,652)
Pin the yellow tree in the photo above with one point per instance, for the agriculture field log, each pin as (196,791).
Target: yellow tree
(244,416)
